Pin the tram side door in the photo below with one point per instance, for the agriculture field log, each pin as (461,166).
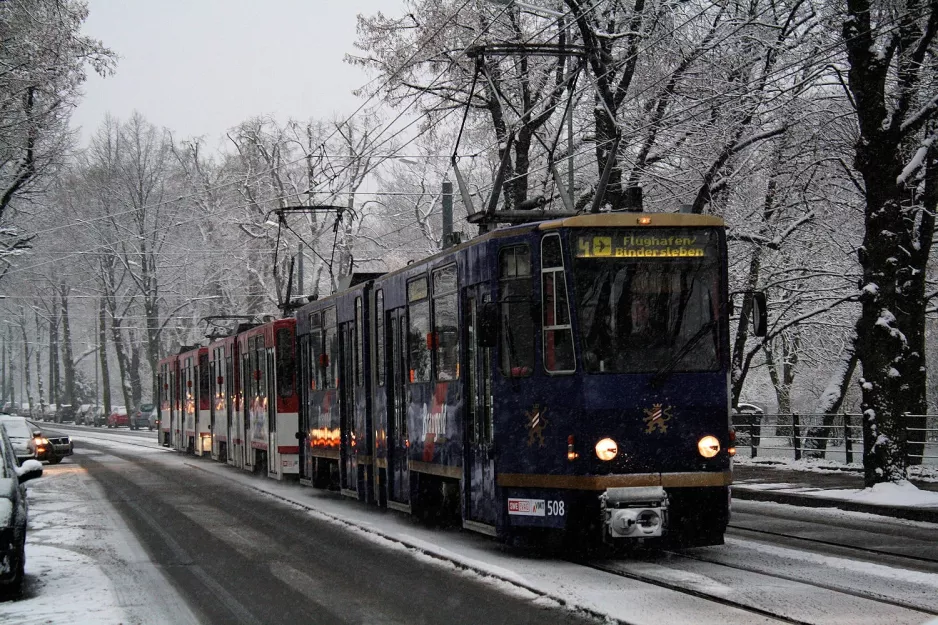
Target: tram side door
(213,388)
(349,474)
(480,482)
(398,475)
(272,395)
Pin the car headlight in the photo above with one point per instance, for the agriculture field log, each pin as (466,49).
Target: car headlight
(708,446)
(606,449)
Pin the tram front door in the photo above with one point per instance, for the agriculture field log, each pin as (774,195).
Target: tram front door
(398,443)
(480,458)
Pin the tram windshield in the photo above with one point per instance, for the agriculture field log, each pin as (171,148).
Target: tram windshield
(649,300)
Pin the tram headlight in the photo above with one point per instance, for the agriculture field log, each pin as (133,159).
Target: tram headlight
(606,449)
(708,446)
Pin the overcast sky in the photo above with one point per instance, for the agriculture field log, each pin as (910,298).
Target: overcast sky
(199,67)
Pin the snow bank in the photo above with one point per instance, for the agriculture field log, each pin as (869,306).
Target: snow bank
(901,493)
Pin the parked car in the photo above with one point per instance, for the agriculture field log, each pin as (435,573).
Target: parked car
(98,417)
(153,419)
(20,431)
(48,413)
(83,414)
(65,414)
(118,417)
(142,417)
(13,511)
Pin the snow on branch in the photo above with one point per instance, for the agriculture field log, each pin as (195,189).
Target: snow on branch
(774,243)
(920,116)
(916,161)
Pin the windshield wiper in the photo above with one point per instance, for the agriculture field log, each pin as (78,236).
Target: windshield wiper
(662,374)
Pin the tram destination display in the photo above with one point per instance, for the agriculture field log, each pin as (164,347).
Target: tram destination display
(643,244)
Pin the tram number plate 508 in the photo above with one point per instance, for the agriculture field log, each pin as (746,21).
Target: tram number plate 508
(535,507)
(555,508)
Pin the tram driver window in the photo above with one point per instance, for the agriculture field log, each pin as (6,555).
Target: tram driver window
(516,325)
(558,332)
(330,364)
(418,335)
(285,368)
(445,337)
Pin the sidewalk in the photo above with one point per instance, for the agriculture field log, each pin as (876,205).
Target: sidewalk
(825,486)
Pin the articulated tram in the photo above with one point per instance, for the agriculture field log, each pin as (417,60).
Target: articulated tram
(568,376)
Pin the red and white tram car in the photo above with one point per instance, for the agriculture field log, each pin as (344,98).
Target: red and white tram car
(225,385)
(168,406)
(195,435)
(268,420)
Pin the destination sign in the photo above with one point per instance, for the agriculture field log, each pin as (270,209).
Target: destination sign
(642,245)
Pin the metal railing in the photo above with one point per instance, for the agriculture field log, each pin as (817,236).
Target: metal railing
(823,436)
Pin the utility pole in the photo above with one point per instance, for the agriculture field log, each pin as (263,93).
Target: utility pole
(447,213)
(299,271)
(5,371)
(97,351)
(566,32)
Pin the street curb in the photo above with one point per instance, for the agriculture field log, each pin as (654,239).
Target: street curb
(911,513)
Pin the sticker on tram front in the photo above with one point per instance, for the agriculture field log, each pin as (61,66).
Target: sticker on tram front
(527,507)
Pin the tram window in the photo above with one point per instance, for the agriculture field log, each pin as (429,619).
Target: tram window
(204,390)
(418,336)
(379,337)
(314,352)
(330,349)
(516,325)
(359,343)
(445,336)
(285,362)
(558,333)
(260,360)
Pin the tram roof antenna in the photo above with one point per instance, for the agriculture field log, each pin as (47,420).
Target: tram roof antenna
(218,331)
(288,304)
(604,179)
(488,215)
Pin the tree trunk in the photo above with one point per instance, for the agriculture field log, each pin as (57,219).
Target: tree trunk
(26,356)
(136,384)
(3,373)
(55,389)
(899,224)
(152,309)
(68,360)
(11,391)
(38,352)
(102,355)
(123,364)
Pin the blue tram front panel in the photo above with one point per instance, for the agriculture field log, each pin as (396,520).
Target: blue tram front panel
(629,361)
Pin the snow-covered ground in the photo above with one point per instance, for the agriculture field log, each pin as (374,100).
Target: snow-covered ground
(814,588)
(83,564)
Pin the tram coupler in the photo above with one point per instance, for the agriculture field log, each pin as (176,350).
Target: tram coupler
(634,512)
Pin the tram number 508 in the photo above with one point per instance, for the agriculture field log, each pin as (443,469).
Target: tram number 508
(555,508)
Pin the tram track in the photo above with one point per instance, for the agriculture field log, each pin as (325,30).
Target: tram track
(813,584)
(621,568)
(750,532)
(135,440)
(614,568)
(656,581)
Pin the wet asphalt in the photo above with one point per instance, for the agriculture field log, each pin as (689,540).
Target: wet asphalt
(236,556)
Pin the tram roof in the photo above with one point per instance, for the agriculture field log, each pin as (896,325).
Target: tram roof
(591,220)
(644,220)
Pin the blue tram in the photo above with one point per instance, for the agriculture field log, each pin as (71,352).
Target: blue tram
(566,375)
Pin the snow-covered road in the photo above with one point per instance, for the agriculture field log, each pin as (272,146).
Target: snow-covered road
(752,579)
(83,565)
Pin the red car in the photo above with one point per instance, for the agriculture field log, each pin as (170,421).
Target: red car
(118,417)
